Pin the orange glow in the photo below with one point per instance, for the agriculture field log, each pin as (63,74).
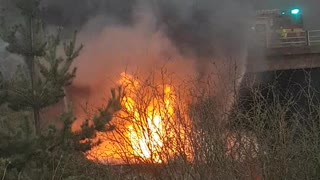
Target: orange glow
(147,128)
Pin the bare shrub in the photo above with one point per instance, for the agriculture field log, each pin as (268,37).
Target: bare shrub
(268,134)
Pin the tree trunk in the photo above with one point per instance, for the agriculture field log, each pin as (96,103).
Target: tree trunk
(34,77)
(36,116)
(65,100)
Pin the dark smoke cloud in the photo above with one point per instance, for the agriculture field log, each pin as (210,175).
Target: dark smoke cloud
(201,26)
(193,33)
(196,27)
(75,13)
(190,24)
(202,30)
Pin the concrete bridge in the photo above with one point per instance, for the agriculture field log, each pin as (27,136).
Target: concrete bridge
(286,53)
(282,71)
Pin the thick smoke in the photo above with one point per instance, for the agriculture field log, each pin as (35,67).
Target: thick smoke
(205,28)
(78,12)
(115,49)
(196,27)
(186,36)
(191,37)
(75,13)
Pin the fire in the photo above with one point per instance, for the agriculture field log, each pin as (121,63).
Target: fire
(147,133)
(147,126)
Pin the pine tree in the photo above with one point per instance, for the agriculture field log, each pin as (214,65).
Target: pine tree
(41,81)
(38,83)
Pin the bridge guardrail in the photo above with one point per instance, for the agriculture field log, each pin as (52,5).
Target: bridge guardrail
(313,37)
(288,42)
(307,38)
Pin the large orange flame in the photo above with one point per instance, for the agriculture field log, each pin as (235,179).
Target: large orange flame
(147,133)
(147,128)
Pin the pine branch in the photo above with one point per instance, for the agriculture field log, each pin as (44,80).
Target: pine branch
(106,114)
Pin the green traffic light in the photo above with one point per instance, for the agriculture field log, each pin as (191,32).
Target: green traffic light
(295,11)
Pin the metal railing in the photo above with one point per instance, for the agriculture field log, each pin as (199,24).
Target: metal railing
(272,40)
(313,37)
(288,42)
